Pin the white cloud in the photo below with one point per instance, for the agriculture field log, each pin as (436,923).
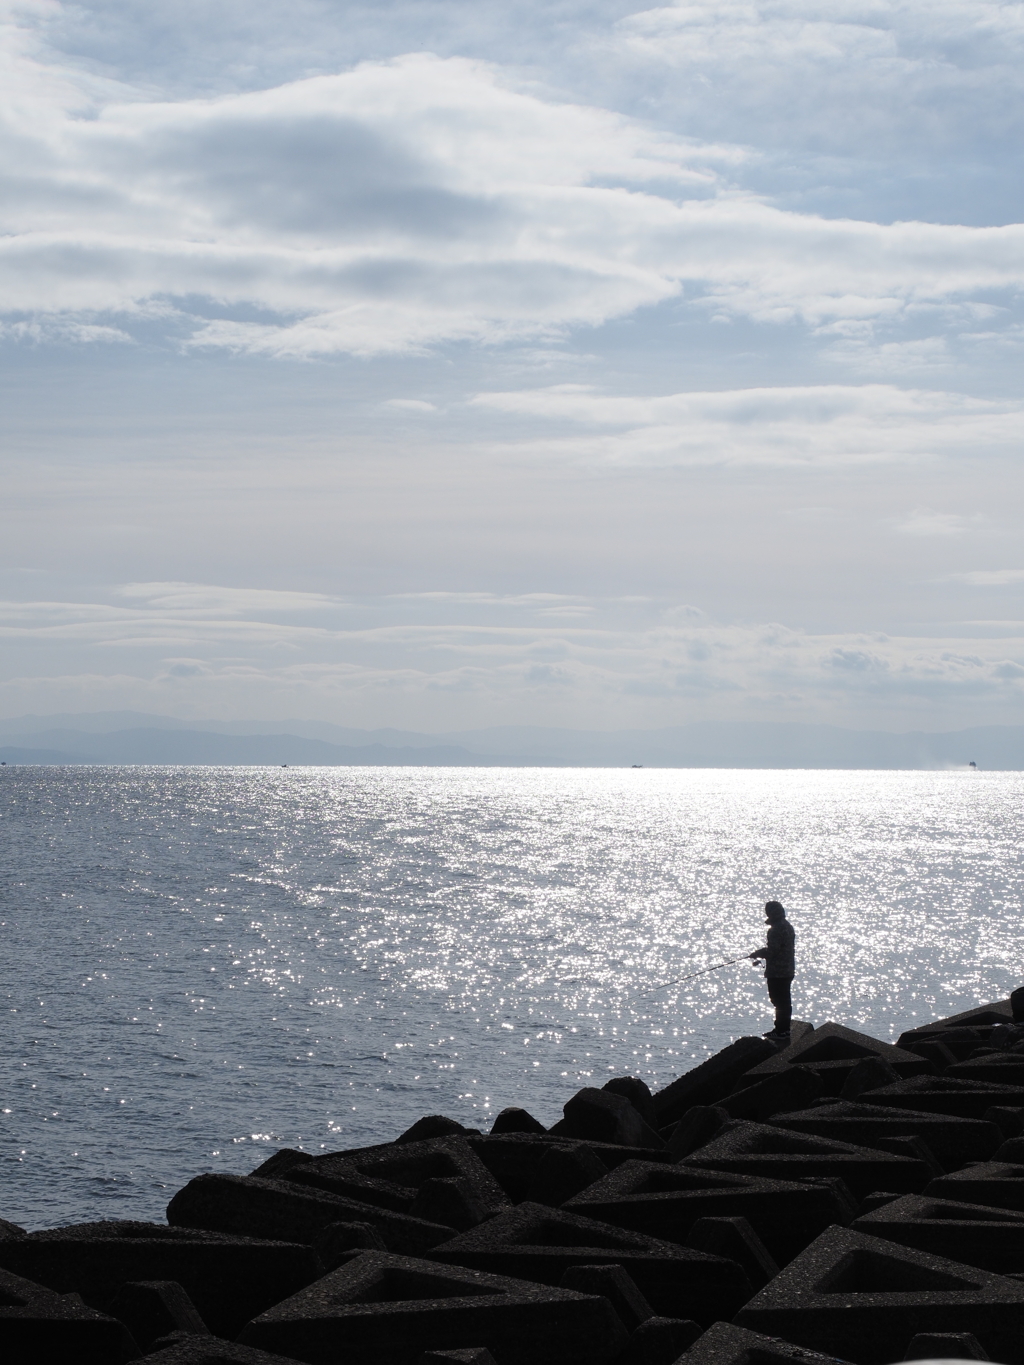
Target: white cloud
(867,79)
(408,202)
(204,599)
(990,578)
(926,521)
(822,425)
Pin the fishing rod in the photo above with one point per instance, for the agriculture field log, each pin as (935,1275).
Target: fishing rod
(679,979)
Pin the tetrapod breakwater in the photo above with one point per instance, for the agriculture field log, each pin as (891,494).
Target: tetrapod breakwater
(838,1198)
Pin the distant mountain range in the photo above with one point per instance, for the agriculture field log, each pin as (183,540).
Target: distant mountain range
(132,737)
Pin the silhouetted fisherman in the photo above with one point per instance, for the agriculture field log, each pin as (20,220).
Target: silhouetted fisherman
(779,967)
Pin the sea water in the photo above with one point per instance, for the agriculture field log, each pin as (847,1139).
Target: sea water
(202,965)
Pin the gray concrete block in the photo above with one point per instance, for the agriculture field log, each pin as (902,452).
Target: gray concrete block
(639,1095)
(193,1350)
(832,1051)
(777,1153)
(1005,1068)
(515,1120)
(945,1346)
(1010,1150)
(338,1239)
(228,1278)
(666,1202)
(868,1074)
(616,1285)
(1009,1119)
(659,1341)
(697,1127)
(944,1095)
(155,1308)
(794,1088)
(712,1079)
(432,1126)
(935,1052)
(877,1198)
(466,1355)
(537,1243)
(737,1241)
(382,1309)
(562,1173)
(283,1210)
(38,1325)
(865,1298)
(998,1012)
(954,1140)
(393,1176)
(452,1201)
(726,1344)
(606,1116)
(976,1234)
(998,1183)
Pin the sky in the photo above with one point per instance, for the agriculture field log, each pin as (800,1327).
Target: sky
(434,364)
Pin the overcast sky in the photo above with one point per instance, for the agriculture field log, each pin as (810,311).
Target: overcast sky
(439,363)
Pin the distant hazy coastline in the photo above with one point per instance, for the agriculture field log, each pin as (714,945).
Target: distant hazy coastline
(130,737)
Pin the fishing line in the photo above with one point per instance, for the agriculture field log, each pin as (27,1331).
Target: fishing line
(680,979)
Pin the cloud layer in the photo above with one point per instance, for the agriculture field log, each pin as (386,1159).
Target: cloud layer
(635,660)
(818,426)
(420,200)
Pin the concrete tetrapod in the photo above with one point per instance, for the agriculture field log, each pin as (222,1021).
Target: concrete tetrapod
(832,1051)
(515,1161)
(1004,1068)
(666,1201)
(229,1279)
(974,1233)
(954,1140)
(864,1298)
(777,1153)
(945,1346)
(712,1079)
(37,1325)
(794,1088)
(399,1171)
(605,1116)
(253,1207)
(998,1183)
(998,1012)
(537,1243)
(945,1095)
(381,1309)
(212,1351)
(155,1308)
(726,1344)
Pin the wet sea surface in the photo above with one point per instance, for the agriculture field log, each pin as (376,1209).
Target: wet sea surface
(202,965)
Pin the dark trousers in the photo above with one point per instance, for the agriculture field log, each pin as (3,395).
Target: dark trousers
(779,995)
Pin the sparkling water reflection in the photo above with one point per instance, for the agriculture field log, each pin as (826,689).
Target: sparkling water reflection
(206,964)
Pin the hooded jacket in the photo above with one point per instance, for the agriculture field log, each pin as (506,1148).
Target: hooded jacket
(779,955)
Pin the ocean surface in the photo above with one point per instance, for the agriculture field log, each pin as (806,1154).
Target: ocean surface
(201,965)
